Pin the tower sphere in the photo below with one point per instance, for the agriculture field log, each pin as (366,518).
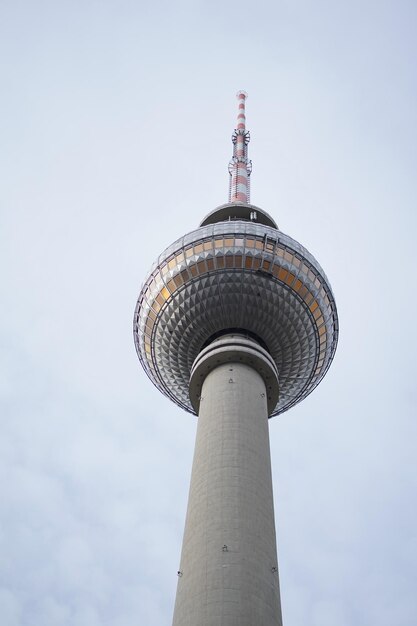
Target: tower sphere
(236,273)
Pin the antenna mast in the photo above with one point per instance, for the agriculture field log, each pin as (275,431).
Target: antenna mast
(240,167)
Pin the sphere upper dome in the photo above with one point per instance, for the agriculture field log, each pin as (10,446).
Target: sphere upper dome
(244,275)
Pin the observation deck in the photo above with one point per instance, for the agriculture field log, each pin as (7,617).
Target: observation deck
(236,273)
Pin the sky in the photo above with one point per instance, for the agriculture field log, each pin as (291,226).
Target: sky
(115,126)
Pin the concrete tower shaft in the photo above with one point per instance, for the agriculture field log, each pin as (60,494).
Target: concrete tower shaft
(229,572)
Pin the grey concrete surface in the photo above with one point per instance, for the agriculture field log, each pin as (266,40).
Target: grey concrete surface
(228,573)
(238,348)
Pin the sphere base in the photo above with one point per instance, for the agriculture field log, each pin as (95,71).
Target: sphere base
(234,348)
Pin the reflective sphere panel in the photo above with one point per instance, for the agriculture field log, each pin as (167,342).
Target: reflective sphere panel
(236,275)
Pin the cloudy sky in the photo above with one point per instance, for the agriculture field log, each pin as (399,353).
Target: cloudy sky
(115,124)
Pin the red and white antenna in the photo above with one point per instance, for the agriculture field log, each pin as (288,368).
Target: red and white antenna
(240,167)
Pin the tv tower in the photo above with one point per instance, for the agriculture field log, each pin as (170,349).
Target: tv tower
(235,323)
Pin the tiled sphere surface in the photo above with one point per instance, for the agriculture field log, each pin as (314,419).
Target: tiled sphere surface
(236,275)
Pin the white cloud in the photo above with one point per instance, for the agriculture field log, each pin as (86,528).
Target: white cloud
(101,104)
